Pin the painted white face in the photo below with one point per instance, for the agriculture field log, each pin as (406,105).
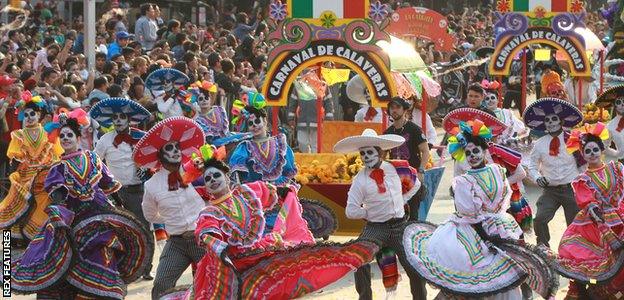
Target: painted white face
(69,140)
(619,105)
(203,101)
(592,153)
(171,153)
(216,181)
(475,155)
(552,123)
(31,117)
(121,122)
(256,125)
(369,156)
(491,101)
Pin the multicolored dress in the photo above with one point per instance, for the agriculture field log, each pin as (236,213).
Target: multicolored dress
(215,127)
(590,251)
(271,160)
(87,247)
(246,260)
(455,257)
(23,208)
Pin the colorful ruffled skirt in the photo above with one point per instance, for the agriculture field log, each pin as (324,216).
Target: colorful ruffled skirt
(275,274)
(23,209)
(95,254)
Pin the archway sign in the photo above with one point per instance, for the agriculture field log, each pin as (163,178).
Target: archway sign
(310,32)
(423,23)
(551,22)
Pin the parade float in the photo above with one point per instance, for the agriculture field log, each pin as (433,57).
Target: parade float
(306,34)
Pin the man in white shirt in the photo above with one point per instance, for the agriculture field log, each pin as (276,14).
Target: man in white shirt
(376,196)
(549,164)
(615,97)
(168,199)
(115,148)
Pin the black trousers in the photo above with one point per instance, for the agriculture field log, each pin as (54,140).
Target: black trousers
(388,234)
(547,204)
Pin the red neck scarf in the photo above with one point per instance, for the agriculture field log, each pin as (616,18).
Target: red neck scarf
(620,125)
(124,138)
(378,176)
(554,146)
(370,114)
(175,181)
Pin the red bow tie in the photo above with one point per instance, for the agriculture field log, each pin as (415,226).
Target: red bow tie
(124,137)
(378,176)
(370,114)
(175,181)
(620,124)
(554,146)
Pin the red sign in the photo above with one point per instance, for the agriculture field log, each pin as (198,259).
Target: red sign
(423,23)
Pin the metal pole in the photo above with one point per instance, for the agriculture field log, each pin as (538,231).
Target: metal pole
(89,32)
(275,120)
(524,81)
(602,59)
(423,111)
(580,93)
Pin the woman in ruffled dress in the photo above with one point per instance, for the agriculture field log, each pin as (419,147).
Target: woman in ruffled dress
(22,210)
(254,262)
(590,251)
(88,248)
(465,256)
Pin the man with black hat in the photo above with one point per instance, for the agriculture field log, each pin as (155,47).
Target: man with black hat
(415,150)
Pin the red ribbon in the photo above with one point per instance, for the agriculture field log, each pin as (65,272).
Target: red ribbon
(175,181)
(620,125)
(378,176)
(124,137)
(554,146)
(370,114)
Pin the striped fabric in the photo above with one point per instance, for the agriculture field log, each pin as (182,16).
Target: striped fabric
(548,5)
(344,9)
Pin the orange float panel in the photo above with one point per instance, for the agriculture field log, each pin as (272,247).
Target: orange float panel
(334,131)
(335,196)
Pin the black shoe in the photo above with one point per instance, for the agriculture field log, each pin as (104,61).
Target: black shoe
(148,277)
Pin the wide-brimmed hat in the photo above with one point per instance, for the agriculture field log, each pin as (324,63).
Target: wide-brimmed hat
(165,79)
(465,114)
(535,112)
(103,111)
(606,99)
(369,138)
(183,130)
(484,52)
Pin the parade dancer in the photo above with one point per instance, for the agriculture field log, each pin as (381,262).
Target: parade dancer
(168,199)
(549,164)
(253,261)
(22,210)
(614,97)
(515,127)
(378,194)
(264,157)
(88,248)
(462,256)
(590,249)
(115,148)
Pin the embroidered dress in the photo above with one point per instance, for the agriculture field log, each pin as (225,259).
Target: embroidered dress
(214,123)
(271,161)
(591,251)
(22,209)
(87,245)
(454,256)
(514,125)
(244,261)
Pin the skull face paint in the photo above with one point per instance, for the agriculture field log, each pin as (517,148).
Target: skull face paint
(256,125)
(121,122)
(69,139)
(204,100)
(592,153)
(475,155)
(552,123)
(619,106)
(31,117)
(369,156)
(491,101)
(171,153)
(215,180)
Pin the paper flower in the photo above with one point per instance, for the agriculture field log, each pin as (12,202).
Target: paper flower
(378,11)
(277,10)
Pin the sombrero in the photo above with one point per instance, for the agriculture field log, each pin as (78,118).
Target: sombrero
(451,121)
(166,79)
(103,111)
(484,52)
(183,130)
(535,112)
(369,138)
(607,98)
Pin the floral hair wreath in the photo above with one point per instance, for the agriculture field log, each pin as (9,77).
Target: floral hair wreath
(577,136)
(195,166)
(53,128)
(26,98)
(239,111)
(490,85)
(195,89)
(457,142)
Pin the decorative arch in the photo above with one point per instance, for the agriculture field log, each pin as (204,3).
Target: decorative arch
(287,65)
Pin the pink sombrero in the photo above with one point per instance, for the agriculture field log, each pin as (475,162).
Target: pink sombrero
(465,114)
(183,130)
